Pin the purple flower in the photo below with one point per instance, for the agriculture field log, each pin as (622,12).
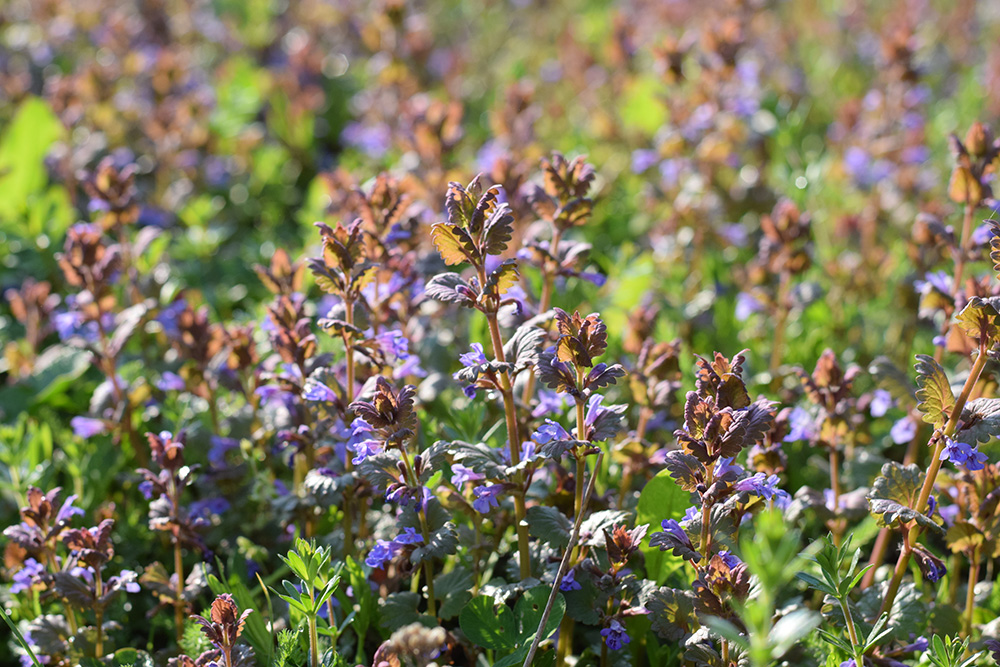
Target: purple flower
(643,159)
(317,391)
(67,511)
(918,645)
(569,582)
(372,140)
(408,536)
(168,318)
(271,394)
(594,409)
(725,466)
(146,489)
(364,449)
(126,579)
(673,528)
(550,403)
(729,559)
(746,305)
(87,427)
(903,431)
(208,507)
(474,358)
(983,234)
(409,366)
(934,280)
(486,498)
(383,552)
(881,402)
(962,454)
(218,449)
(170,381)
(690,514)
(25,577)
(598,279)
(460,475)
(800,425)
(759,485)
(550,431)
(949,513)
(615,636)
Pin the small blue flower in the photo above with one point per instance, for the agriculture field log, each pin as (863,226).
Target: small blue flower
(903,431)
(168,318)
(725,466)
(68,511)
(126,579)
(550,403)
(317,391)
(409,536)
(801,425)
(691,514)
(87,427)
(962,454)
(615,636)
(474,358)
(486,498)
(364,449)
(881,402)
(729,559)
(550,431)
(383,552)
(170,381)
(569,582)
(25,577)
(760,485)
(671,526)
(746,305)
(460,475)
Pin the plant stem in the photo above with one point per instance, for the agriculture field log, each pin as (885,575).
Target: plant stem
(970,595)
(882,541)
(931,476)
(348,465)
(428,566)
(563,567)
(859,656)
(779,325)
(544,303)
(835,486)
(514,444)
(706,518)
(313,641)
(179,590)
(959,272)
(99,613)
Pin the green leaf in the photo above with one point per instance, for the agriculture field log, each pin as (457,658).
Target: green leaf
(256,629)
(661,499)
(549,525)
(895,492)
(935,399)
(963,536)
(980,421)
(487,626)
(528,612)
(453,589)
(25,143)
(818,584)
(672,613)
(978,319)
(443,542)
